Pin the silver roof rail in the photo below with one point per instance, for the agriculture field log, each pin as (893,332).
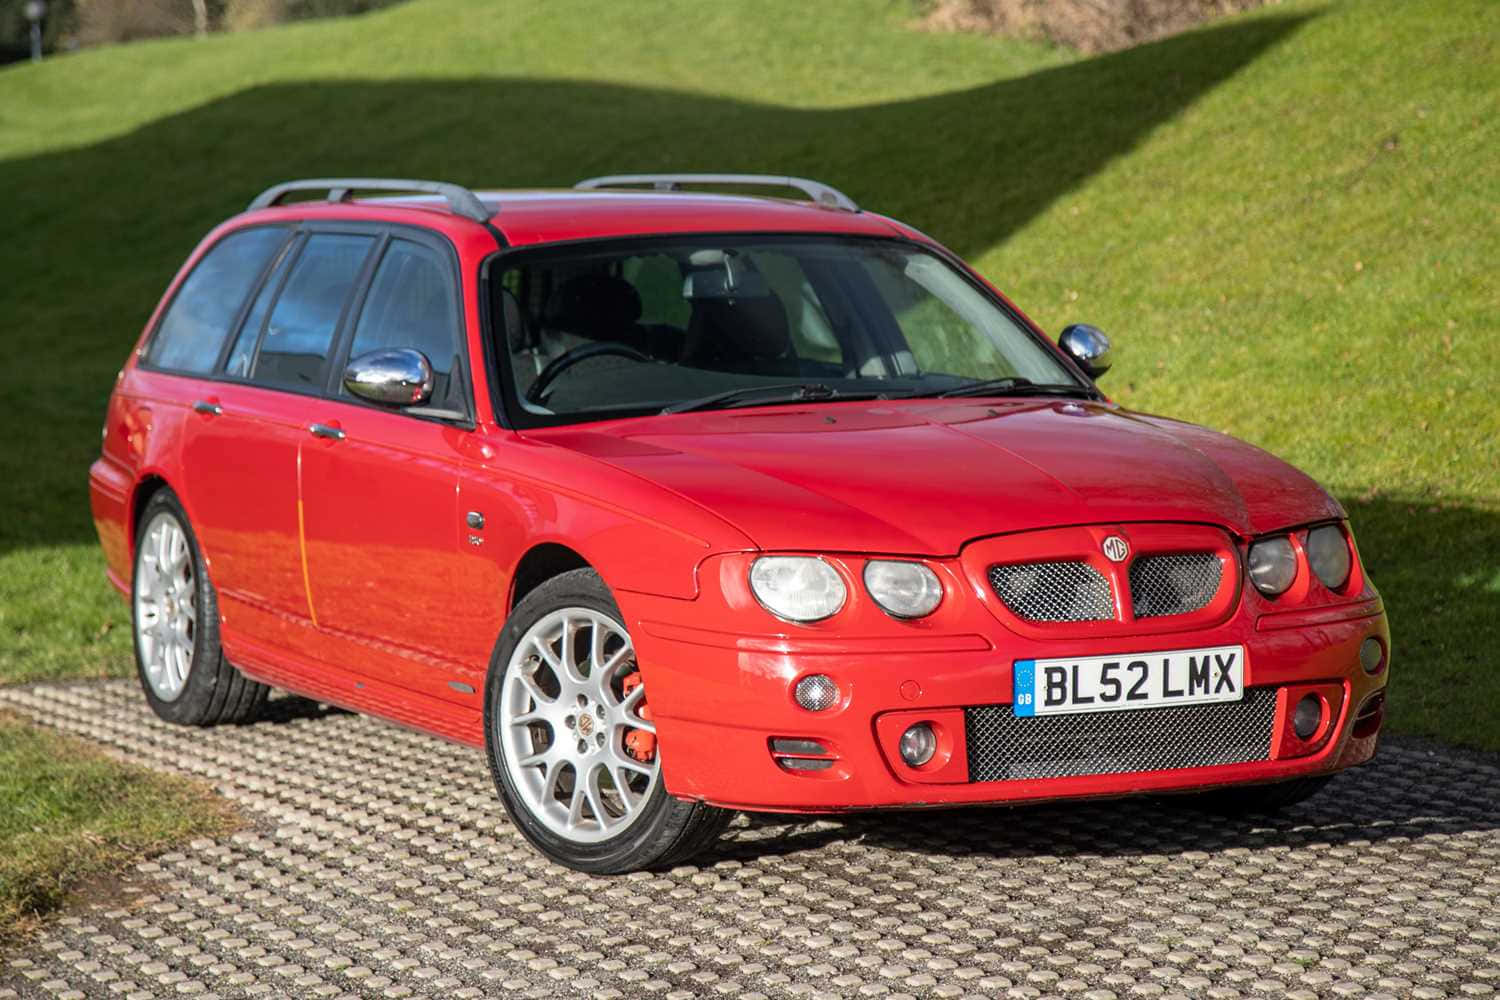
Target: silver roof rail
(820,193)
(460,199)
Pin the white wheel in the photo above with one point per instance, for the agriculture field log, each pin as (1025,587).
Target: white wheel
(174,615)
(166,605)
(572,740)
(571,699)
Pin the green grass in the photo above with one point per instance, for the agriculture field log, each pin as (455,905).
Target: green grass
(1288,220)
(69,814)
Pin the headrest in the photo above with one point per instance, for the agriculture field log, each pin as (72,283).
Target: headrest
(743,329)
(594,305)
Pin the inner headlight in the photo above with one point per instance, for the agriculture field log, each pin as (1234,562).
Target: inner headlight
(1273,565)
(1328,555)
(798,588)
(903,589)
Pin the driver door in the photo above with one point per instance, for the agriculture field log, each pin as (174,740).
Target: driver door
(379,489)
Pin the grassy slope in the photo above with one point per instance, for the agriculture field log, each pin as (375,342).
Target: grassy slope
(68,813)
(1288,220)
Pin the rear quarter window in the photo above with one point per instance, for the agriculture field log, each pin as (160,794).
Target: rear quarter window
(193,329)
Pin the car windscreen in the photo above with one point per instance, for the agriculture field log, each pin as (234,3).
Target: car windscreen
(593,331)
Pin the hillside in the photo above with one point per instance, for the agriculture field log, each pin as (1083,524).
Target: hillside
(1288,221)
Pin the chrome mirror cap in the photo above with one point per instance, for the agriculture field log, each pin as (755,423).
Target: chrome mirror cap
(393,377)
(1088,346)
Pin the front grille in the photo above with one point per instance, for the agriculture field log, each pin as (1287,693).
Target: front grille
(1174,584)
(1053,591)
(1004,747)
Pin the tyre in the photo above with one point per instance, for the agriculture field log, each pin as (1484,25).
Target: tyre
(570,741)
(1251,799)
(175,617)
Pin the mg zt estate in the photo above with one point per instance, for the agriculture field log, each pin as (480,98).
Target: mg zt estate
(676,503)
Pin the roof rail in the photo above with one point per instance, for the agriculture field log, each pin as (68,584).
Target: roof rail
(460,199)
(820,193)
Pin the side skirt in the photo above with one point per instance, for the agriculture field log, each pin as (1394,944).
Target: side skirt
(358,693)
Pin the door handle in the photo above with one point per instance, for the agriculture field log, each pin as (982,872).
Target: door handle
(325,431)
(207,408)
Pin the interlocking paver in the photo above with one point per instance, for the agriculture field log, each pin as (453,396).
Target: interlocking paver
(379,863)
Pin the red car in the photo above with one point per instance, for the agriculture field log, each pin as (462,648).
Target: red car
(680,503)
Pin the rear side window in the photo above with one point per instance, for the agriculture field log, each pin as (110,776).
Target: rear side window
(299,332)
(243,351)
(411,304)
(192,332)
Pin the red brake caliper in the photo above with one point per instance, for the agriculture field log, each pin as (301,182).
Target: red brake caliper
(638,743)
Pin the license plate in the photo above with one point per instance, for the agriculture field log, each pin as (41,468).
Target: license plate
(1129,680)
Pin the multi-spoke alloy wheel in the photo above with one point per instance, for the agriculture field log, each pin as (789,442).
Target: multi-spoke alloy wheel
(572,741)
(176,618)
(166,606)
(566,712)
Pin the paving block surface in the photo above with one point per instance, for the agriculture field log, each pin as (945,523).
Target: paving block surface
(379,863)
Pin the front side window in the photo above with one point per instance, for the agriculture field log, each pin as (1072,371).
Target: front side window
(630,327)
(411,304)
(299,331)
(192,331)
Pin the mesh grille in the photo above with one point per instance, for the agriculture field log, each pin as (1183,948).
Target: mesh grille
(1053,591)
(1003,747)
(1175,584)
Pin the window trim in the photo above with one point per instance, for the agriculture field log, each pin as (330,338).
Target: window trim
(306,235)
(288,233)
(289,252)
(497,363)
(349,324)
(299,231)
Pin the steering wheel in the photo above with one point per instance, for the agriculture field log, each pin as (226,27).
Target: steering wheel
(568,359)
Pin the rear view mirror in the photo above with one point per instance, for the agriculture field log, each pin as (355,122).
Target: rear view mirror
(393,377)
(723,274)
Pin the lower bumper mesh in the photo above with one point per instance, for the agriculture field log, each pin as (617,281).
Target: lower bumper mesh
(1004,747)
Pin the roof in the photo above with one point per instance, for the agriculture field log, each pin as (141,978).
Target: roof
(544,216)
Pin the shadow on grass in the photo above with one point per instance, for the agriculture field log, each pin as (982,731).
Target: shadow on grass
(108,224)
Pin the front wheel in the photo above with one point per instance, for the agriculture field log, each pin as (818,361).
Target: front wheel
(571,742)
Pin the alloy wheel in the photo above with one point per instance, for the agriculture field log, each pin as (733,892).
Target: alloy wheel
(166,606)
(578,740)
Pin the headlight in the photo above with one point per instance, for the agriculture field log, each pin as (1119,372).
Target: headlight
(1273,565)
(1328,555)
(903,589)
(798,588)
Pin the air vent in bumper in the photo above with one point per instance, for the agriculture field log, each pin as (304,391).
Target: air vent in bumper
(1003,747)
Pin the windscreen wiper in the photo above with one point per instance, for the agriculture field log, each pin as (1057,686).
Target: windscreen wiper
(755,395)
(1014,385)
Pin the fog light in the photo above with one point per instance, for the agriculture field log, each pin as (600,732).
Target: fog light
(1371,655)
(918,744)
(1308,717)
(817,692)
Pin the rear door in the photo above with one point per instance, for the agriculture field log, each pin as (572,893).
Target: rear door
(380,492)
(241,459)
(244,536)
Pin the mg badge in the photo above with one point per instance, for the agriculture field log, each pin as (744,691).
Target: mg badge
(1116,548)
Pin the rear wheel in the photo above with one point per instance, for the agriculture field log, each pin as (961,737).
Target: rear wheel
(571,742)
(175,618)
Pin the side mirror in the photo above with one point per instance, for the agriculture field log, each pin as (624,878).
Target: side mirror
(1088,346)
(398,377)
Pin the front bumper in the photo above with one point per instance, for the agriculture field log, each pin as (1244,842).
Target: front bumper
(721,694)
